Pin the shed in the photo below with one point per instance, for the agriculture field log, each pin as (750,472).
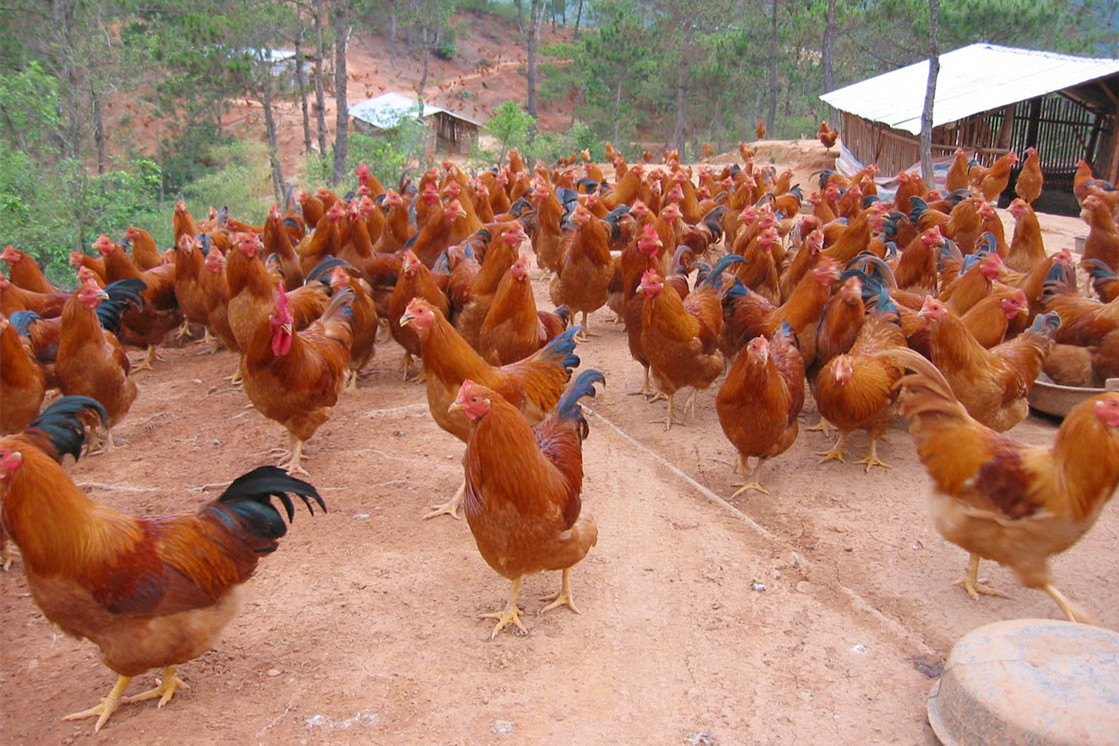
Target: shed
(282,63)
(990,100)
(447,131)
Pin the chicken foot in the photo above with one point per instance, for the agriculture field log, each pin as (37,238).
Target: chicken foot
(293,466)
(647,390)
(823,426)
(511,614)
(450,507)
(165,688)
(754,484)
(872,459)
(562,597)
(405,365)
(1074,614)
(836,453)
(671,413)
(585,333)
(974,587)
(150,358)
(106,707)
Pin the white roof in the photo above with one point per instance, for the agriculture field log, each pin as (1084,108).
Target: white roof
(972,79)
(389,109)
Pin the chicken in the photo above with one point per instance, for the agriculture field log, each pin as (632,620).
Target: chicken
(1103,235)
(991,182)
(760,129)
(501,252)
(192,298)
(365,323)
(532,385)
(1026,246)
(523,489)
(827,135)
(295,377)
(1105,282)
(992,384)
(585,268)
(513,328)
(989,320)
(91,361)
(957,177)
(1002,500)
(145,252)
(215,287)
(1029,183)
(855,390)
(25,272)
(160,313)
(1085,184)
(22,382)
(150,592)
(680,337)
(414,281)
(759,401)
(14,298)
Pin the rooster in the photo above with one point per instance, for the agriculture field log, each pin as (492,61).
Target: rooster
(532,385)
(150,592)
(295,377)
(1002,500)
(523,486)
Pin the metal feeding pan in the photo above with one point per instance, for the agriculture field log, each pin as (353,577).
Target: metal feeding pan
(1040,682)
(1057,400)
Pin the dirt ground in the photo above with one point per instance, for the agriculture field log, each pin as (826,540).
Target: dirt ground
(820,613)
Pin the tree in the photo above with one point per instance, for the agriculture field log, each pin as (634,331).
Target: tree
(511,125)
(339,21)
(927,172)
(532,43)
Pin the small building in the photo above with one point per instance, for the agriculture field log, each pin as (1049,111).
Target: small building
(282,64)
(990,100)
(447,131)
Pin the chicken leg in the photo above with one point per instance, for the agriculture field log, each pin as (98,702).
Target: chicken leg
(451,506)
(670,398)
(823,426)
(106,707)
(647,390)
(836,453)
(405,364)
(754,484)
(585,333)
(293,466)
(561,597)
(510,614)
(165,688)
(973,587)
(1074,614)
(150,358)
(871,459)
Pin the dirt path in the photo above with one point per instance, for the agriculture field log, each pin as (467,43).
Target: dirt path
(817,614)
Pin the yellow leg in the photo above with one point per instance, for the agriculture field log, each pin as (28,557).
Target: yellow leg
(871,459)
(562,597)
(183,330)
(511,614)
(293,465)
(647,389)
(823,426)
(105,709)
(972,585)
(671,418)
(351,385)
(586,333)
(753,483)
(150,358)
(405,364)
(451,506)
(836,453)
(1071,612)
(165,688)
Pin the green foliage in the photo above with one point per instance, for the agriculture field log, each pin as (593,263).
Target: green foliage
(388,156)
(511,125)
(445,49)
(240,180)
(29,107)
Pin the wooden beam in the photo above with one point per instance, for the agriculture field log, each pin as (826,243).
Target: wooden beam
(1109,93)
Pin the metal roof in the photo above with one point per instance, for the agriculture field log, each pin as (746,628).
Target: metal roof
(389,109)
(972,79)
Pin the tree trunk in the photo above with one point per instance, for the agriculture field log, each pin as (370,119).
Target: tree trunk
(536,22)
(270,127)
(772,115)
(98,131)
(342,118)
(829,38)
(618,107)
(521,16)
(578,18)
(427,61)
(680,132)
(301,87)
(392,34)
(927,172)
(320,86)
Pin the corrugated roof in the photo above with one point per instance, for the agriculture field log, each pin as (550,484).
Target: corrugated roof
(389,109)
(972,79)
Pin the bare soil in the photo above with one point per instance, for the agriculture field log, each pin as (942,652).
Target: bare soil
(820,613)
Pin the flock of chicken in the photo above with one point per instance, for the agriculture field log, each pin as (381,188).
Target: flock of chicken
(840,293)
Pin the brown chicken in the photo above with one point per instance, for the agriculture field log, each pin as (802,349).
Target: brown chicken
(295,377)
(532,385)
(513,328)
(759,402)
(22,382)
(1029,183)
(827,135)
(415,281)
(91,361)
(145,252)
(855,390)
(1103,235)
(585,268)
(14,298)
(992,384)
(957,176)
(760,129)
(1002,500)
(150,592)
(25,272)
(365,322)
(1026,246)
(991,182)
(523,489)
(680,337)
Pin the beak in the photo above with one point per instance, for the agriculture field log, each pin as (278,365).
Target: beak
(455,406)
(405,320)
